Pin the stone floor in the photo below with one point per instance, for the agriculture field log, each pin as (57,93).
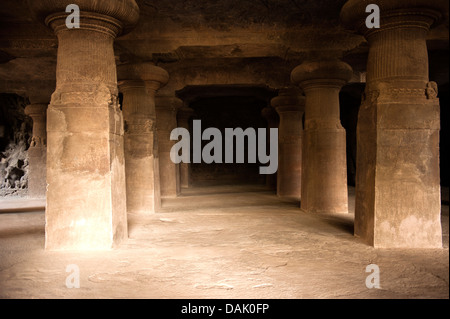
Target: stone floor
(219,242)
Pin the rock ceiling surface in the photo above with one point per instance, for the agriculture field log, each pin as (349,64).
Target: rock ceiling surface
(240,40)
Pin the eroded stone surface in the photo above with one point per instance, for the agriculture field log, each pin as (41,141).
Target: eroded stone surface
(15,138)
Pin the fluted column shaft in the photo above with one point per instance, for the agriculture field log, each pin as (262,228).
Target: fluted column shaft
(37,152)
(166,120)
(324,170)
(397,179)
(290,107)
(183,117)
(86,201)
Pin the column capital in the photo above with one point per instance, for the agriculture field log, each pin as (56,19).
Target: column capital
(321,73)
(288,100)
(114,17)
(38,113)
(129,72)
(142,75)
(125,85)
(156,79)
(37,109)
(148,72)
(393,14)
(398,60)
(138,106)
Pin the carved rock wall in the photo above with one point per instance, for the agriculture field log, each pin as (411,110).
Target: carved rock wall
(15,138)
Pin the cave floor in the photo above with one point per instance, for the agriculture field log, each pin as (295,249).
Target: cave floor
(219,242)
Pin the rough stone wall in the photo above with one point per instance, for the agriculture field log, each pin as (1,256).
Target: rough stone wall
(15,137)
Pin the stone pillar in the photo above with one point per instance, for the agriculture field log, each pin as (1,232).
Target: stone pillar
(37,152)
(86,202)
(140,138)
(166,120)
(324,170)
(184,117)
(271,116)
(290,106)
(397,179)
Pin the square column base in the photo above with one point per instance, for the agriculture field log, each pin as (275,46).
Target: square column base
(398,202)
(86,201)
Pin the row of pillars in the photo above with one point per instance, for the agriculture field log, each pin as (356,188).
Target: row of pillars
(312,159)
(397,190)
(146,183)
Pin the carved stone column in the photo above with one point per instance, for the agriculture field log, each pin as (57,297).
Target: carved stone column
(183,117)
(86,202)
(324,168)
(37,152)
(166,120)
(290,106)
(271,116)
(397,179)
(141,143)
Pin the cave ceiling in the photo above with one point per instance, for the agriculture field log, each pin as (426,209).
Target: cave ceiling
(241,38)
